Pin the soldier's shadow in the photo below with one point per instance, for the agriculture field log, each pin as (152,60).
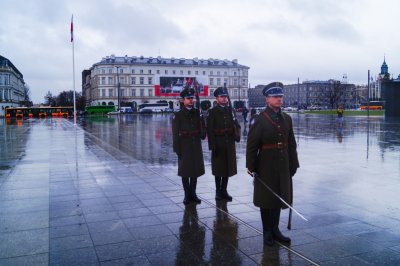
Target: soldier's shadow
(192,237)
(224,238)
(276,255)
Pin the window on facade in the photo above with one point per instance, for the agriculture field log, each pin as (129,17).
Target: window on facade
(103,71)
(133,92)
(189,72)
(218,73)
(212,92)
(225,73)
(103,80)
(218,81)
(235,82)
(150,92)
(196,72)
(150,81)
(158,71)
(173,72)
(122,92)
(133,71)
(211,81)
(121,71)
(204,72)
(141,92)
(110,70)
(226,81)
(110,80)
(103,93)
(211,72)
(149,71)
(111,92)
(181,72)
(244,82)
(122,80)
(133,80)
(141,80)
(141,71)
(166,71)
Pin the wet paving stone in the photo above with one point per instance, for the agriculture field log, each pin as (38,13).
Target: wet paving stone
(107,193)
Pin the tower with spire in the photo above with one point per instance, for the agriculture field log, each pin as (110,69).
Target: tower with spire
(384,70)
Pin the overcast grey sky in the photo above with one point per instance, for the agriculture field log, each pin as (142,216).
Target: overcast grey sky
(278,39)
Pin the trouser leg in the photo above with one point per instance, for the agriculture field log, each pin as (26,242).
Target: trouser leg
(186,188)
(218,195)
(224,192)
(276,233)
(193,185)
(267,221)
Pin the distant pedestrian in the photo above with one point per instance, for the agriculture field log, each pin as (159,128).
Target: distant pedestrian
(340,113)
(188,130)
(272,158)
(244,113)
(221,142)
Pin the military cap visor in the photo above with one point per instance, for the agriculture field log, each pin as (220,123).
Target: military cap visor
(187,93)
(220,91)
(273,89)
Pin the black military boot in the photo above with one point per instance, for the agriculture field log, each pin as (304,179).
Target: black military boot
(186,188)
(218,194)
(267,226)
(276,233)
(224,192)
(193,185)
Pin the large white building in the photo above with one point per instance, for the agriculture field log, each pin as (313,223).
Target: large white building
(12,85)
(138,80)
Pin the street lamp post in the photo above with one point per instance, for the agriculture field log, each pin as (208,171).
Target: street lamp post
(240,104)
(118,86)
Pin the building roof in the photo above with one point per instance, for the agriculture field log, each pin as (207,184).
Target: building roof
(4,62)
(140,60)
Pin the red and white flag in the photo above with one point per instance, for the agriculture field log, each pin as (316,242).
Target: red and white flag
(72,28)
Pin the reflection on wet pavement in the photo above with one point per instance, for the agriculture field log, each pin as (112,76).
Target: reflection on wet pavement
(107,192)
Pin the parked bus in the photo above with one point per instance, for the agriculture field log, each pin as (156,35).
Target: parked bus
(38,112)
(373,105)
(99,109)
(153,107)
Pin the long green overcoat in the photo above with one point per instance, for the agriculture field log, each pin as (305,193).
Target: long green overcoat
(275,166)
(221,141)
(187,134)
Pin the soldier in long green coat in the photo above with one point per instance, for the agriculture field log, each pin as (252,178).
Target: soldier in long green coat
(221,142)
(188,129)
(271,155)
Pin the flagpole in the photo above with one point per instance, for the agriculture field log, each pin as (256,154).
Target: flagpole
(73,64)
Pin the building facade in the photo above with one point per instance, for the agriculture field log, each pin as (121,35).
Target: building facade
(12,85)
(325,94)
(131,81)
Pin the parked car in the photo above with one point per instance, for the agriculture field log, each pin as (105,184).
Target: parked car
(314,107)
(126,110)
(290,109)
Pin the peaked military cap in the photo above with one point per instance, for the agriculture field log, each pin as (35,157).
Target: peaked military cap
(220,91)
(187,93)
(273,89)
